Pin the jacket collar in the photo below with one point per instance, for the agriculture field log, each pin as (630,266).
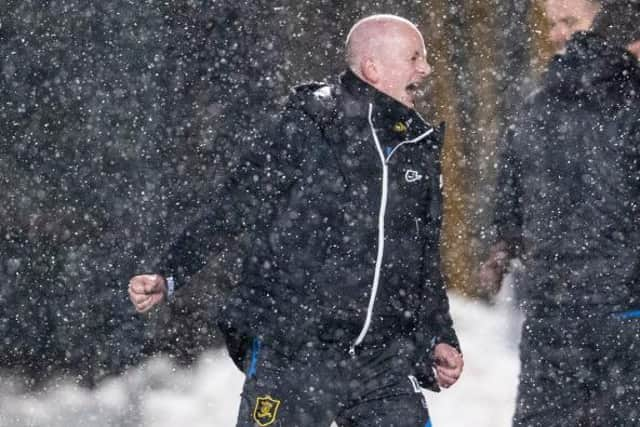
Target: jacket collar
(593,69)
(389,114)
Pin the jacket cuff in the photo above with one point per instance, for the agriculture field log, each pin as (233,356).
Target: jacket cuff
(450,339)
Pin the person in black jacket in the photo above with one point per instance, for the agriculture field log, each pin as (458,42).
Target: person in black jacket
(565,17)
(341,292)
(568,205)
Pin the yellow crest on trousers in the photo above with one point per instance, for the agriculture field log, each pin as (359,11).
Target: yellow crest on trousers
(266,410)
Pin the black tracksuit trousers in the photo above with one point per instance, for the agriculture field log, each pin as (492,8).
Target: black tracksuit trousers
(322,384)
(579,372)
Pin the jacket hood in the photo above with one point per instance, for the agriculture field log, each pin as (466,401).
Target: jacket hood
(592,69)
(317,96)
(351,96)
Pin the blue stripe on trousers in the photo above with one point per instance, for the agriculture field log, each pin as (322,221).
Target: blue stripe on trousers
(255,354)
(633,314)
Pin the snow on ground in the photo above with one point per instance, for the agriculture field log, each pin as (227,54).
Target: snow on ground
(157,394)
(485,394)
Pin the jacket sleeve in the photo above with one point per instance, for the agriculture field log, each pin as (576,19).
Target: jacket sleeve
(256,189)
(435,325)
(508,214)
(243,205)
(441,319)
(439,329)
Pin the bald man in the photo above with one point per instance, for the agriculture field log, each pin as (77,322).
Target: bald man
(341,294)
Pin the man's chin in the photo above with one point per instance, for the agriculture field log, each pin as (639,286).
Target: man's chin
(409,101)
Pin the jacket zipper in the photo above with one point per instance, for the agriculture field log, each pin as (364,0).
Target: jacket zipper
(381,218)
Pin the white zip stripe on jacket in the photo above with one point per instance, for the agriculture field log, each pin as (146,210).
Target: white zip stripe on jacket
(381,217)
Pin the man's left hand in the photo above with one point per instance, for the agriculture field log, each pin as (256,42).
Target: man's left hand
(448,364)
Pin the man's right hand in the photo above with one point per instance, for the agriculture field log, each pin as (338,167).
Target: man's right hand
(147,290)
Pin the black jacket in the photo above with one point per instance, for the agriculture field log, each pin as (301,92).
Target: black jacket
(315,200)
(569,183)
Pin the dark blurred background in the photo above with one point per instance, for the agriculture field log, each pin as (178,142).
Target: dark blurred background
(118,119)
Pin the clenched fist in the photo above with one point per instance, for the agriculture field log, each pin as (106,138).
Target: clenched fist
(147,290)
(449,364)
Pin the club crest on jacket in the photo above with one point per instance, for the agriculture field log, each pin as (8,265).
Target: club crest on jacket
(266,410)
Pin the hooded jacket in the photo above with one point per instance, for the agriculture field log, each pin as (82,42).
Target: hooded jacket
(341,212)
(569,184)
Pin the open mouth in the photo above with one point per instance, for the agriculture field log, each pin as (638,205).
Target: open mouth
(414,89)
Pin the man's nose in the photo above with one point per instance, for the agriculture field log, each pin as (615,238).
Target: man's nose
(424,68)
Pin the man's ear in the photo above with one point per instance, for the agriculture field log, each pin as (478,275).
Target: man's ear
(634,48)
(369,71)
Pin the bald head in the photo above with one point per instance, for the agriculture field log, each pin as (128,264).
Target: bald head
(388,52)
(373,36)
